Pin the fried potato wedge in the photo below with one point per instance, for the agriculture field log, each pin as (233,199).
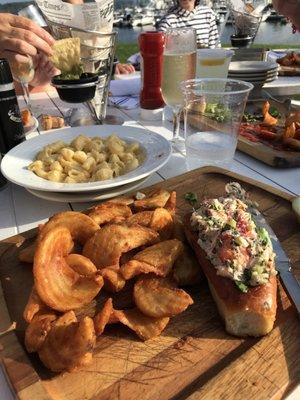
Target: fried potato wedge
(80,264)
(122,200)
(27,254)
(37,331)
(34,305)
(158,297)
(171,203)
(145,327)
(69,344)
(101,319)
(159,220)
(158,258)
(113,279)
(108,212)
(81,226)
(105,248)
(158,198)
(57,284)
(186,270)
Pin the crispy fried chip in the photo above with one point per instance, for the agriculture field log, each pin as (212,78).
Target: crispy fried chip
(186,269)
(103,316)
(158,198)
(69,344)
(113,279)
(37,331)
(80,264)
(145,327)
(105,248)
(57,284)
(108,212)
(81,226)
(27,254)
(66,54)
(158,259)
(34,305)
(158,297)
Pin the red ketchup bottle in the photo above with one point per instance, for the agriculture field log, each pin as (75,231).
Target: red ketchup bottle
(151,49)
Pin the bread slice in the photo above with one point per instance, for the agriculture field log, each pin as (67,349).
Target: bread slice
(245,314)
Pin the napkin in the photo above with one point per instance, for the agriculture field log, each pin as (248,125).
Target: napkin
(124,93)
(126,102)
(125,87)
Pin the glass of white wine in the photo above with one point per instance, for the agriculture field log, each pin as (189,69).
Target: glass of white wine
(23,72)
(179,64)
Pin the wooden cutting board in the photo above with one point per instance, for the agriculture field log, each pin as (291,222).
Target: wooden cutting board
(194,358)
(268,155)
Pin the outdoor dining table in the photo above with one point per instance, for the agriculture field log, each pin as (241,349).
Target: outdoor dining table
(21,211)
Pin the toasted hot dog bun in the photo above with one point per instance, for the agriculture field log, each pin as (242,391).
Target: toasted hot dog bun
(245,314)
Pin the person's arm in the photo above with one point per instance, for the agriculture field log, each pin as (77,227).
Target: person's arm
(21,36)
(213,40)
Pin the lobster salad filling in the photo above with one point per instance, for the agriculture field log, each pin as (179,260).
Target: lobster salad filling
(238,249)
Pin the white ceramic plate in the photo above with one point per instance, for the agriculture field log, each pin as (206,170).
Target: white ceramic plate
(258,75)
(14,164)
(89,196)
(252,66)
(34,123)
(252,80)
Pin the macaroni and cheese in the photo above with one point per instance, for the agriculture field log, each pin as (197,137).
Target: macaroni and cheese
(87,159)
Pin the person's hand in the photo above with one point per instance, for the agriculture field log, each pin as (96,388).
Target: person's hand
(21,36)
(44,70)
(124,69)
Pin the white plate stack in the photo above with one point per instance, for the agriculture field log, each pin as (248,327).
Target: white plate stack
(156,149)
(256,72)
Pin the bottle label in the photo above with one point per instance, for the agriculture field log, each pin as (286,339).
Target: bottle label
(14,114)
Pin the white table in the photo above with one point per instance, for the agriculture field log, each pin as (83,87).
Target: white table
(21,211)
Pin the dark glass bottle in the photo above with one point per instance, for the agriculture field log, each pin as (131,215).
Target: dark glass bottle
(3,181)
(12,130)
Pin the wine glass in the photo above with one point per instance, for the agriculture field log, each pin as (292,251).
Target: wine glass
(179,64)
(23,72)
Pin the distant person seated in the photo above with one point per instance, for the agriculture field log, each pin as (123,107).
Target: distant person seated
(188,13)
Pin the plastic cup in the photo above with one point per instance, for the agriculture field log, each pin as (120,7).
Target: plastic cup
(213,63)
(212,119)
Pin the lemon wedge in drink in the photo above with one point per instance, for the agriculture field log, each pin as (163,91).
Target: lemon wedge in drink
(212,62)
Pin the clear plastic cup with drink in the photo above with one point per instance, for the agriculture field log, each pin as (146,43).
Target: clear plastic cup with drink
(213,63)
(213,112)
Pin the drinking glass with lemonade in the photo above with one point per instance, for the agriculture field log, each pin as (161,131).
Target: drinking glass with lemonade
(213,63)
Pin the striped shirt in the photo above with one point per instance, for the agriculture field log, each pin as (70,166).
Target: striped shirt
(202,19)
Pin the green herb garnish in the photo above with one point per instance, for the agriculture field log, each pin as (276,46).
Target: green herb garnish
(218,112)
(247,117)
(274,112)
(243,288)
(191,198)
